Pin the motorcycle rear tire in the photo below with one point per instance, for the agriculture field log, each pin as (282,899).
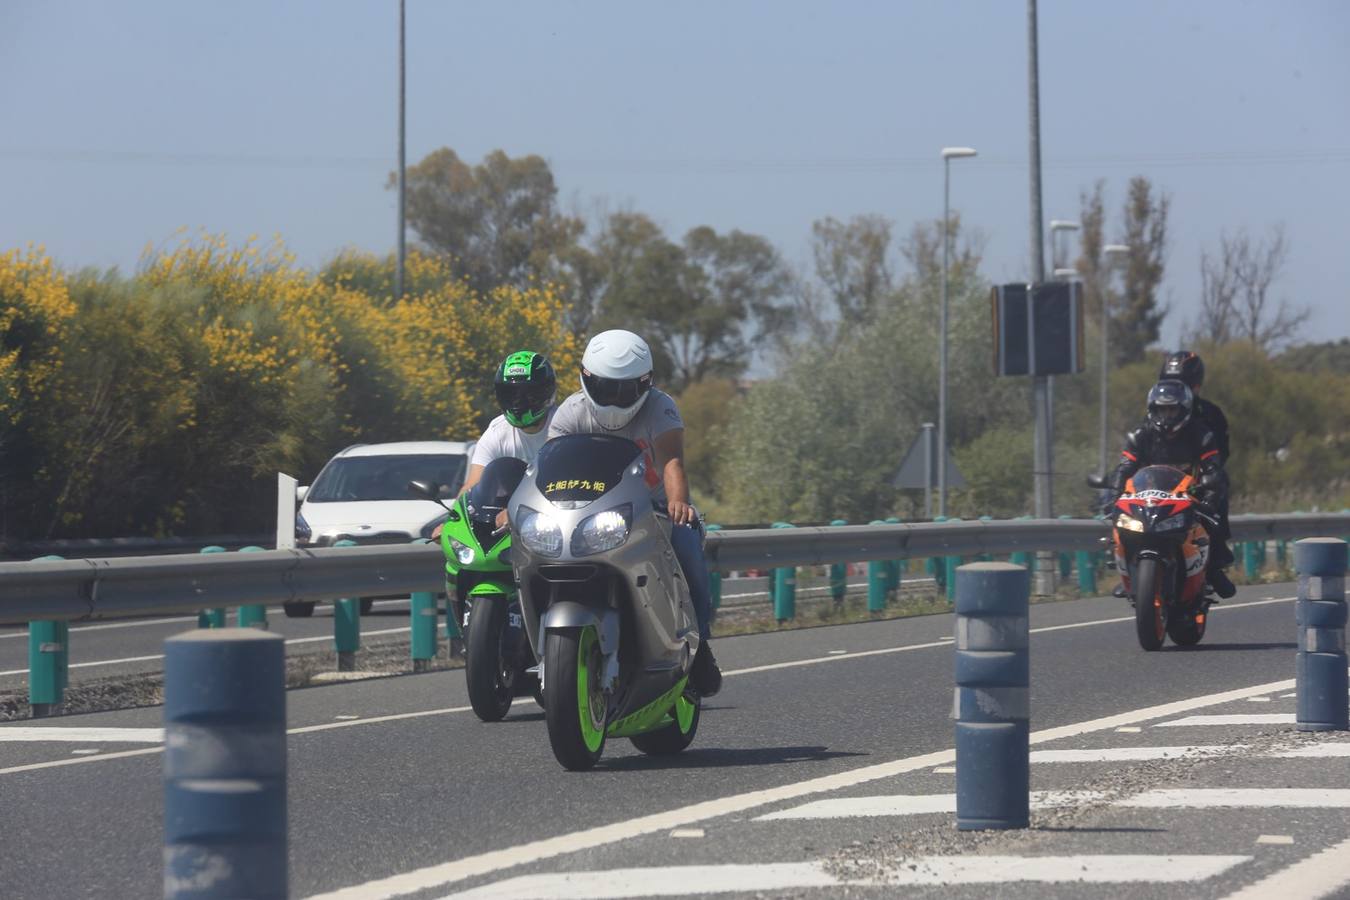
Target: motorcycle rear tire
(1148,616)
(574,706)
(491,689)
(676,736)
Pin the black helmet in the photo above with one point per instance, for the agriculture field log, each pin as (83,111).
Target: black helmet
(525,386)
(1185,366)
(1169,406)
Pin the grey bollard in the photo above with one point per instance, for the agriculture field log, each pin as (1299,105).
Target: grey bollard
(224,765)
(1322,686)
(992,703)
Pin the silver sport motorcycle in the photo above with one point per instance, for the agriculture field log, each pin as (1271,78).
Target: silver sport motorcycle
(604,600)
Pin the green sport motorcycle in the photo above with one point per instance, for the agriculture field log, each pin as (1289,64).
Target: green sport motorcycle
(482,591)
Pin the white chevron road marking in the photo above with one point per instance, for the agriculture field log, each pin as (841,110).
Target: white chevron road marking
(674,881)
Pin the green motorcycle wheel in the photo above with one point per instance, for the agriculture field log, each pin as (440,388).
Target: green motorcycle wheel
(678,733)
(574,705)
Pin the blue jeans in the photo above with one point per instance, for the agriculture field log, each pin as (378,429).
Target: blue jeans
(688,547)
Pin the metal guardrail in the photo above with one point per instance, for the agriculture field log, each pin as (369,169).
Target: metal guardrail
(101,588)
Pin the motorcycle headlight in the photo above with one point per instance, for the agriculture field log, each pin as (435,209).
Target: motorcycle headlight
(603,531)
(540,532)
(1171,522)
(1129,523)
(463,552)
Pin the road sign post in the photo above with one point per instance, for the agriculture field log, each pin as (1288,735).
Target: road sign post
(784,588)
(346,625)
(211,618)
(253,615)
(423,614)
(838,575)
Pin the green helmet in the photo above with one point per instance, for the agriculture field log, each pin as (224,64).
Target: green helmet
(525,387)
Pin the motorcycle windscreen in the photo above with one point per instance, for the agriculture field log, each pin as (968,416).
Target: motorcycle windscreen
(582,467)
(495,486)
(1157,478)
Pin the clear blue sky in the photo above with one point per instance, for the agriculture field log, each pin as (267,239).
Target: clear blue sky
(125,121)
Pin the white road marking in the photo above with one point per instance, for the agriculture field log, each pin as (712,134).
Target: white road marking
(84,751)
(1238,719)
(1317,876)
(1131,754)
(945,770)
(687,833)
(1129,729)
(1240,798)
(138,623)
(672,881)
(135,659)
(346,718)
(1258,699)
(31,733)
(457,870)
(1288,696)
(836,653)
(1274,839)
(1317,751)
(912,805)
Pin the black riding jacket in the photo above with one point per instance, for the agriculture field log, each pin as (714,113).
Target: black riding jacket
(1193,449)
(1210,415)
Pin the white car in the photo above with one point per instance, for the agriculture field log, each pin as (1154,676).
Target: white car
(362,495)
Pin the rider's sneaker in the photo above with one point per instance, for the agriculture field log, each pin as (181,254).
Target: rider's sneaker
(704,675)
(1222,585)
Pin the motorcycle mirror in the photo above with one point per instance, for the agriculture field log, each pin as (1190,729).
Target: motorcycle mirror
(426,490)
(1097,481)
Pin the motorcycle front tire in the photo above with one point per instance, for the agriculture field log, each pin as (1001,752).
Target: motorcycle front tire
(574,705)
(486,674)
(1148,614)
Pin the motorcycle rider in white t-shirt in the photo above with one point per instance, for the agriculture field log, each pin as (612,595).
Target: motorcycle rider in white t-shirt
(526,387)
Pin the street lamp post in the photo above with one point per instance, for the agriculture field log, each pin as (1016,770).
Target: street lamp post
(948,154)
(402,162)
(1057,226)
(1111,252)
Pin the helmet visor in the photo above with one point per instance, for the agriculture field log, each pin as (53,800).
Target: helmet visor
(523,403)
(617,392)
(1168,418)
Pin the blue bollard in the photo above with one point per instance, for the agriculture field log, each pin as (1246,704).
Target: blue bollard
(838,575)
(992,704)
(211,618)
(424,614)
(346,625)
(877,579)
(784,588)
(253,615)
(1322,685)
(224,765)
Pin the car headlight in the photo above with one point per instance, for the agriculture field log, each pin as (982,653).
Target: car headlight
(540,532)
(463,552)
(1129,523)
(603,531)
(1171,522)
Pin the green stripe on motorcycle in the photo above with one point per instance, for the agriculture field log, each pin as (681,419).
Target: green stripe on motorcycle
(656,714)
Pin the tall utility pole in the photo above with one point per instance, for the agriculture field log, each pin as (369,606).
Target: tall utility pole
(1110,253)
(948,154)
(1044,581)
(402,162)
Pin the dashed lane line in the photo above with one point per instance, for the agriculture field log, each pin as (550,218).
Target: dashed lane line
(1233,719)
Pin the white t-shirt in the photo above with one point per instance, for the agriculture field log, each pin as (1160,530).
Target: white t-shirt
(657,416)
(502,439)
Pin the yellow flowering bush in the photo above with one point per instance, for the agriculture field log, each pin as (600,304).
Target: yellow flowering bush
(35,312)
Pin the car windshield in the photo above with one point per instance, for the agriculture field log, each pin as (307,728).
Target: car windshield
(386,477)
(582,466)
(1157,478)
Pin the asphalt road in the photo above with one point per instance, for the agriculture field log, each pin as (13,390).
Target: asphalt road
(134,646)
(395,776)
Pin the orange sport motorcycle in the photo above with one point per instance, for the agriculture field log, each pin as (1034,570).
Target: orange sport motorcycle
(1162,550)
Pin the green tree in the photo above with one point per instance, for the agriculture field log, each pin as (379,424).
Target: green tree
(499,220)
(854,263)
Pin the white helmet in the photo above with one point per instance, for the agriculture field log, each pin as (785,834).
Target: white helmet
(616,376)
